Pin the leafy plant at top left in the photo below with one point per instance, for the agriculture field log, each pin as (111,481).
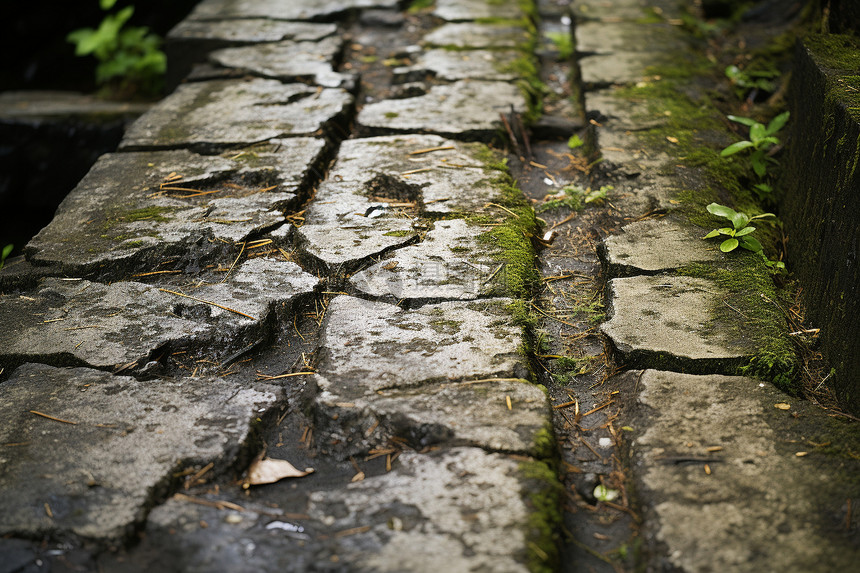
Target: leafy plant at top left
(130,58)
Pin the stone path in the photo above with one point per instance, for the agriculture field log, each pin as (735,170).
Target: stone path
(287,260)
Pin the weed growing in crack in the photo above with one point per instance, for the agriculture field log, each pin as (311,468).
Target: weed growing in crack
(761,141)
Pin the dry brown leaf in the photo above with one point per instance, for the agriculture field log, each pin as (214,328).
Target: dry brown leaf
(358,477)
(782,406)
(270,470)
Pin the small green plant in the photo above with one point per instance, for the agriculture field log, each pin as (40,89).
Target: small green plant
(739,233)
(5,253)
(762,139)
(563,43)
(575,198)
(130,58)
(746,80)
(575,141)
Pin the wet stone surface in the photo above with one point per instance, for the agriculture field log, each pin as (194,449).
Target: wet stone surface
(459,10)
(633,250)
(250,31)
(450,65)
(476,36)
(126,438)
(449,263)
(287,61)
(462,110)
(280,10)
(146,204)
(211,116)
(712,449)
(128,324)
(667,317)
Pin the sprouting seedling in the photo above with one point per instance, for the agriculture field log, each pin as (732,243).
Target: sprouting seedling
(5,253)
(762,139)
(739,233)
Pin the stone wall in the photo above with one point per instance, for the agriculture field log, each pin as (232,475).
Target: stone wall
(822,200)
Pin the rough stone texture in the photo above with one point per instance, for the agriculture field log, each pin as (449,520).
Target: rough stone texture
(127,323)
(129,437)
(281,10)
(614,11)
(459,10)
(655,245)
(618,68)
(477,36)
(670,318)
(459,510)
(605,38)
(450,65)
(120,211)
(463,110)
(287,61)
(396,348)
(191,41)
(218,114)
(761,507)
(449,263)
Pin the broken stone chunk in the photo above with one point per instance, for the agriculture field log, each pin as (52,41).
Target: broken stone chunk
(96,450)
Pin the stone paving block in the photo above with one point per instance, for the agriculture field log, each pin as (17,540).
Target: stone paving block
(120,211)
(655,245)
(758,504)
(459,10)
(608,38)
(615,69)
(477,36)
(458,510)
(624,10)
(396,348)
(623,114)
(671,318)
(211,116)
(449,263)
(462,110)
(450,65)
(127,324)
(287,61)
(281,9)
(95,476)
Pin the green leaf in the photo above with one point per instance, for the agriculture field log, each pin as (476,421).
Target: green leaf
(751,244)
(744,231)
(729,245)
(712,234)
(758,163)
(727,231)
(757,133)
(735,147)
(763,188)
(777,123)
(743,120)
(762,216)
(720,210)
(740,220)
(107,4)
(575,142)
(603,493)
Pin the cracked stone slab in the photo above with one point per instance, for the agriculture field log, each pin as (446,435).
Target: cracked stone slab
(395,348)
(449,263)
(607,38)
(120,212)
(127,323)
(655,245)
(127,440)
(455,510)
(460,10)
(616,68)
(477,36)
(612,11)
(624,114)
(282,10)
(450,414)
(462,110)
(211,116)
(784,505)
(451,65)
(251,31)
(287,61)
(672,318)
